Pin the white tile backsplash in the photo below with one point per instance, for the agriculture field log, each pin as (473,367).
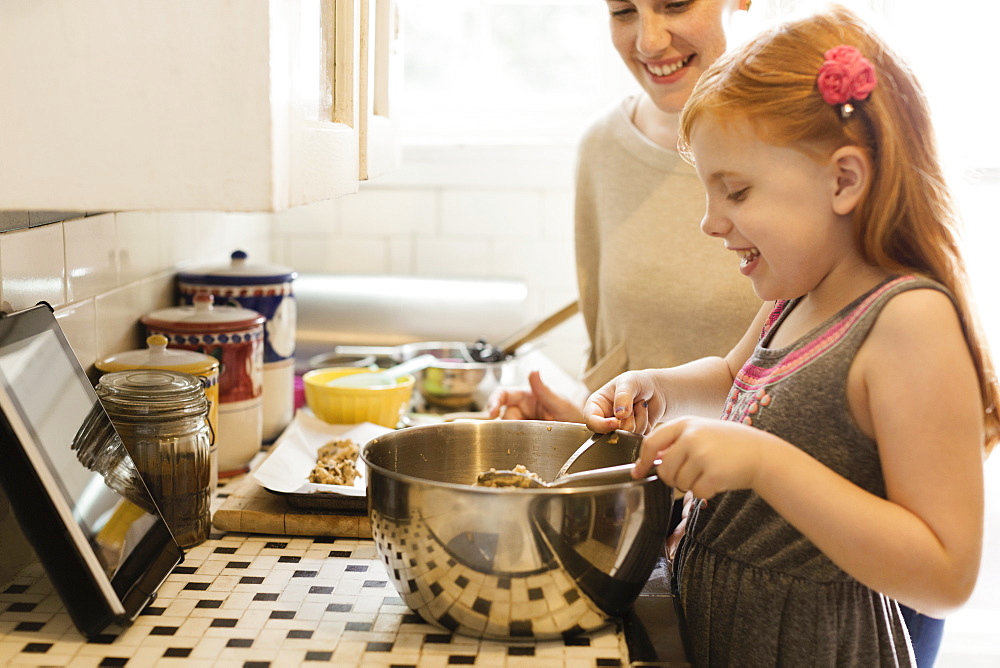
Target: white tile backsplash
(79,323)
(391,213)
(33,266)
(118,313)
(500,214)
(358,255)
(471,212)
(320,219)
(142,244)
(91,256)
(447,257)
(103,272)
(497,213)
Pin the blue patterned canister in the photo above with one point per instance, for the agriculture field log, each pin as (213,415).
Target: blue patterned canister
(268,290)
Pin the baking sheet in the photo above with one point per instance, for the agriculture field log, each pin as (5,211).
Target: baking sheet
(286,469)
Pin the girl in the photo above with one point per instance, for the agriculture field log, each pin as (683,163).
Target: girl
(864,398)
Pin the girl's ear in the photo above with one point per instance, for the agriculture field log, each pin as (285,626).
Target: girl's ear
(853,171)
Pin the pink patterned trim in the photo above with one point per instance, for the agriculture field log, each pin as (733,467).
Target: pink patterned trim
(752,376)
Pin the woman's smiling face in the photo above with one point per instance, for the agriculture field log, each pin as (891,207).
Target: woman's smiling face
(667,45)
(773,206)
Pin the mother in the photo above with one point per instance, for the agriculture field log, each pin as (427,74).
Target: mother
(672,297)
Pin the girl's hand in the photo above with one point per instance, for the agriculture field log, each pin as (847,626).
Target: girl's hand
(631,401)
(704,456)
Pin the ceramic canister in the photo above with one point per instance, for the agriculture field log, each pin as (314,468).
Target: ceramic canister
(234,336)
(268,290)
(157,356)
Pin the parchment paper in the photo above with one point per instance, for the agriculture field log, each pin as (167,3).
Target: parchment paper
(293,455)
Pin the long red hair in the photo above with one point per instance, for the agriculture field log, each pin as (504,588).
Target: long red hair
(907,222)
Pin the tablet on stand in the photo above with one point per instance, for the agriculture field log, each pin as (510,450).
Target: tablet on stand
(74,490)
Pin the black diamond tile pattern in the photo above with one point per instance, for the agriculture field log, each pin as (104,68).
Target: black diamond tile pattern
(253,600)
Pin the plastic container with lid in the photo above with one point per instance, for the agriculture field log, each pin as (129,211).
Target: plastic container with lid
(158,356)
(162,418)
(234,336)
(266,289)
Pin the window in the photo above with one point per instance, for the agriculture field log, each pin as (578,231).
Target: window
(511,71)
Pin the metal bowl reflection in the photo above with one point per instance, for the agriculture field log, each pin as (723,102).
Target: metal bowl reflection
(455,381)
(511,563)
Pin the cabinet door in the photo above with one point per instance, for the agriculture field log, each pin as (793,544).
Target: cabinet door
(381,77)
(324,102)
(186,104)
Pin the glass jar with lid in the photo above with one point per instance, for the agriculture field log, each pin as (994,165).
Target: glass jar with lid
(158,356)
(162,418)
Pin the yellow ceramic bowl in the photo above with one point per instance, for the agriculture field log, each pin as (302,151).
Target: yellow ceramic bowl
(351,405)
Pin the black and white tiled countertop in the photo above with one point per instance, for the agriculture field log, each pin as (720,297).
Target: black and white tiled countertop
(258,601)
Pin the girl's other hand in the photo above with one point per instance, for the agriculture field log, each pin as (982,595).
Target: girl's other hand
(630,401)
(702,455)
(539,402)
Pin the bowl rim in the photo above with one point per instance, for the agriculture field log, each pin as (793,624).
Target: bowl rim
(309,379)
(651,478)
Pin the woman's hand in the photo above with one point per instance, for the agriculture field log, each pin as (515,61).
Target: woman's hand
(631,401)
(537,403)
(704,456)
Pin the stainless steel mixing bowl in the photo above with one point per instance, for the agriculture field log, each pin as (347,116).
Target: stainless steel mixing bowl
(456,381)
(511,563)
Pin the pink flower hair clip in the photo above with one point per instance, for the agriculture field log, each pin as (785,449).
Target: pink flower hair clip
(846,75)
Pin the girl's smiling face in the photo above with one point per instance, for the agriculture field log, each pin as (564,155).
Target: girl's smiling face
(780,210)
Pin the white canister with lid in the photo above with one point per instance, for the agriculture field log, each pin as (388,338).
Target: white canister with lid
(235,337)
(157,356)
(266,289)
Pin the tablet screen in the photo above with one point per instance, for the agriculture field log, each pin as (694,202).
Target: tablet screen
(95,503)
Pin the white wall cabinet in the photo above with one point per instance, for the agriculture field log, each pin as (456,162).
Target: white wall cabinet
(249,105)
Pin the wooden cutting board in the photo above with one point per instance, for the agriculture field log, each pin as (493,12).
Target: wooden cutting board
(250,508)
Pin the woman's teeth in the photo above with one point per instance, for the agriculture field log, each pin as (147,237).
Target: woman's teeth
(747,256)
(666,70)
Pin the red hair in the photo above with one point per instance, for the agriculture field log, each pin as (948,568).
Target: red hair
(907,221)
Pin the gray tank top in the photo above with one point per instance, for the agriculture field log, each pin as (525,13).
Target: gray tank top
(753,589)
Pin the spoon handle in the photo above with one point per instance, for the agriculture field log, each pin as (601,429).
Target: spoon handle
(579,451)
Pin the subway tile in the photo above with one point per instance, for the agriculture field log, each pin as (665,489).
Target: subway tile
(249,232)
(91,262)
(491,213)
(306,253)
(401,256)
(33,266)
(357,255)
(540,261)
(119,311)
(140,244)
(389,212)
(456,257)
(79,323)
(313,219)
(196,239)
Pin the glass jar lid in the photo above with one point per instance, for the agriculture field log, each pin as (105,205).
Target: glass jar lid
(156,394)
